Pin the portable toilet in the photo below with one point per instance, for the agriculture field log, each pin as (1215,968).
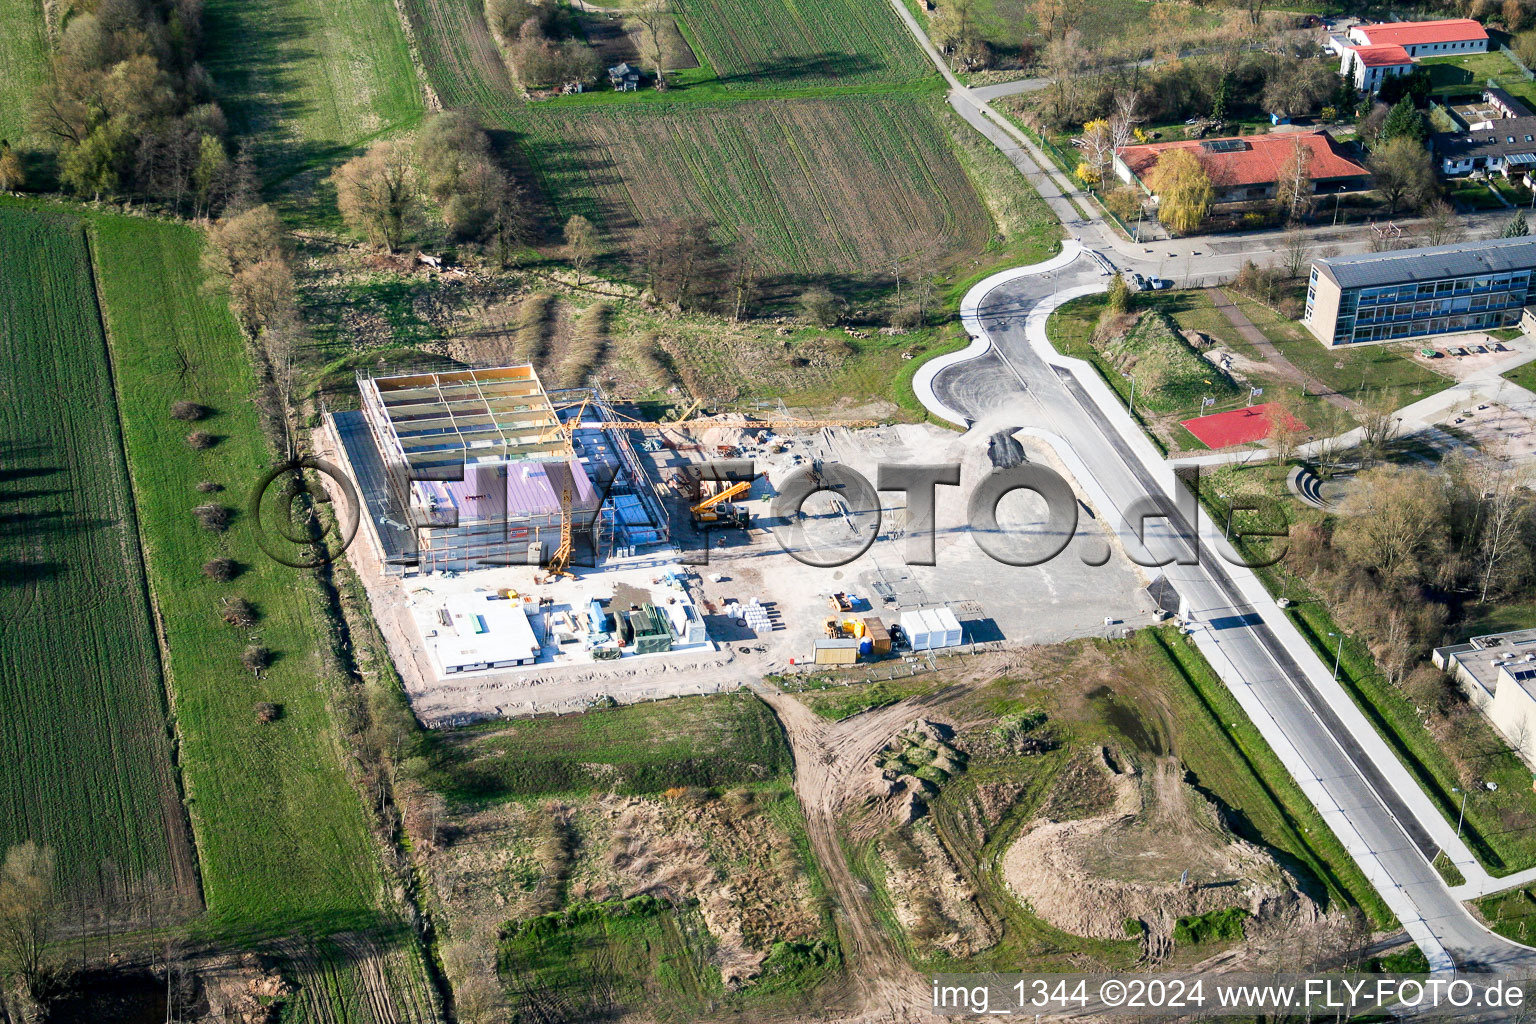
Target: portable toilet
(879,636)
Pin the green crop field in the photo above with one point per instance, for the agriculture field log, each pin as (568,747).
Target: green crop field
(463,64)
(85,753)
(639,748)
(281,834)
(827,185)
(23,63)
(311,78)
(804,42)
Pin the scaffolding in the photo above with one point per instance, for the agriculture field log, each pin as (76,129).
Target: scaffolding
(487,470)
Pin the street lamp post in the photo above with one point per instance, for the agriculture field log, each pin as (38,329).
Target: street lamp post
(1337,655)
(1462,814)
(1131,407)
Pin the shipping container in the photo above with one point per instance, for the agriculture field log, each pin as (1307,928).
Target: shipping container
(879,636)
(837,652)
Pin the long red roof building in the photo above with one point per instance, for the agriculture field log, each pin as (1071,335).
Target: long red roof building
(1248,160)
(1420,33)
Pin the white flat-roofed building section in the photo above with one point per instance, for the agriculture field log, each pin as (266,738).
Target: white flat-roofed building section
(1497,673)
(929,629)
(475,634)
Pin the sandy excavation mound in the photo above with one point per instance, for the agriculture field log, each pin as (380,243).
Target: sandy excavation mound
(1092,876)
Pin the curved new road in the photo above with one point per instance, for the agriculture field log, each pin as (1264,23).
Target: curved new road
(1012,378)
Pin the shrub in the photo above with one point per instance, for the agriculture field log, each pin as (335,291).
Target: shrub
(201,440)
(820,306)
(214,517)
(1119,299)
(256,658)
(1216,926)
(268,712)
(188,412)
(907,318)
(221,569)
(237,611)
(209,487)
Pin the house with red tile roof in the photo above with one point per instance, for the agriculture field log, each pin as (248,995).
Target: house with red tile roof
(1374,53)
(1247,168)
(1424,38)
(1369,66)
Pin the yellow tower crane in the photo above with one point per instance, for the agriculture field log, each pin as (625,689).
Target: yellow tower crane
(559,562)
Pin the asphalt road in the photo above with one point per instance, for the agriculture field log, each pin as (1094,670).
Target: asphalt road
(1385,822)
(1012,384)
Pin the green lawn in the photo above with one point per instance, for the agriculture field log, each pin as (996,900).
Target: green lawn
(281,834)
(1511,914)
(1473,195)
(309,80)
(23,64)
(1525,376)
(85,755)
(1353,371)
(727,740)
(1470,73)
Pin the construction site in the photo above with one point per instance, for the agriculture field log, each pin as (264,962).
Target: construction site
(531,551)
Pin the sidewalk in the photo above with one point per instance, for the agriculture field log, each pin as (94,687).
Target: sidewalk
(1272,355)
(1319,676)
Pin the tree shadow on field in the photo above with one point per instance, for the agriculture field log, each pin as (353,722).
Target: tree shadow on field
(563,169)
(811,66)
(256,56)
(38,521)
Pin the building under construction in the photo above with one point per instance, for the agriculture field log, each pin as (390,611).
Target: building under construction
(474,468)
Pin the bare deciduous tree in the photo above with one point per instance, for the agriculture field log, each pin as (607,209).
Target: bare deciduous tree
(376,193)
(1293,188)
(652,16)
(28,912)
(1392,522)
(582,245)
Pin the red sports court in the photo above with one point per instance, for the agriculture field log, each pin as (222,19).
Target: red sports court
(1224,429)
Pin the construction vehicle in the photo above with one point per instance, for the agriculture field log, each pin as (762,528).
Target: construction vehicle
(843,629)
(717,510)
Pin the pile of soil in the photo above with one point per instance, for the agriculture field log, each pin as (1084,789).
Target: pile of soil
(1161,853)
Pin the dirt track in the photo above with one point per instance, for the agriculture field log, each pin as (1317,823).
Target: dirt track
(831,759)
